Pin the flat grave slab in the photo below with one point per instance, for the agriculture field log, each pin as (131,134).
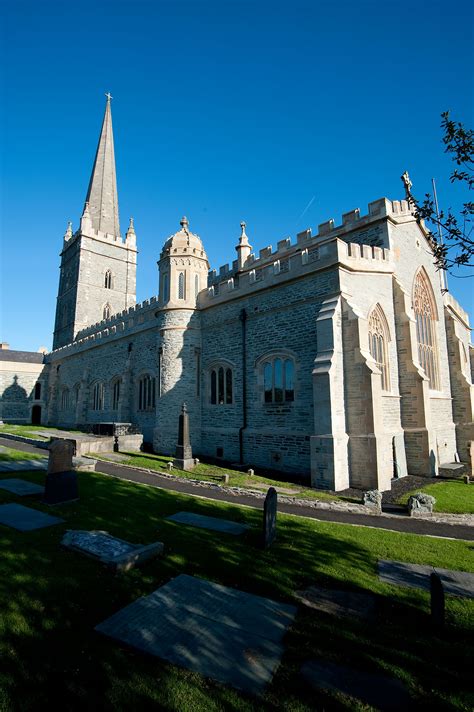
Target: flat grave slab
(338,602)
(202,522)
(20,487)
(222,633)
(116,553)
(379,691)
(399,573)
(25,519)
(22,465)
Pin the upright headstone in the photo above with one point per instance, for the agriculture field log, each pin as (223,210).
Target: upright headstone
(269,517)
(61,480)
(184,455)
(437,601)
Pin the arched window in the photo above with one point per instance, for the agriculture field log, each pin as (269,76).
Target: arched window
(64,399)
(108,279)
(196,285)
(166,290)
(116,394)
(378,340)
(146,393)
(181,285)
(37,391)
(77,390)
(98,393)
(278,380)
(106,313)
(426,316)
(222,386)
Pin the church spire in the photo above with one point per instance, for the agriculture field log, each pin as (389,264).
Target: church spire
(102,191)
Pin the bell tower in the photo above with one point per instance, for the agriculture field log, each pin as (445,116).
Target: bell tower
(98,267)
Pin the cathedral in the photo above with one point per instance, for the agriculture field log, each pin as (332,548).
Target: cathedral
(338,357)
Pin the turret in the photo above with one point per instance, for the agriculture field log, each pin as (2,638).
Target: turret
(183,268)
(243,248)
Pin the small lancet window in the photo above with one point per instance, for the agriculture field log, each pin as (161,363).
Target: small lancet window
(181,285)
(106,312)
(116,395)
(196,285)
(146,393)
(108,279)
(378,340)
(166,288)
(426,317)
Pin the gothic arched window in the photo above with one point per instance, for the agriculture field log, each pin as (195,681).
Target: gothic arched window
(378,342)
(98,396)
(116,394)
(106,312)
(166,291)
(222,386)
(278,380)
(196,285)
(181,286)
(65,399)
(146,393)
(37,391)
(426,317)
(108,279)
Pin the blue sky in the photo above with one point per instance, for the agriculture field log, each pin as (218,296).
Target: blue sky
(222,111)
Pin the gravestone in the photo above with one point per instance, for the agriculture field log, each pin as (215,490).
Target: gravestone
(269,517)
(22,488)
(373,499)
(61,480)
(116,553)
(437,601)
(213,523)
(420,504)
(184,455)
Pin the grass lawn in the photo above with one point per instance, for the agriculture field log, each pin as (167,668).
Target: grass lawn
(30,431)
(451,496)
(8,455)
(51,599)
(205,471)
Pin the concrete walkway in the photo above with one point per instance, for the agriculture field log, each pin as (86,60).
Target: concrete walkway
(393,523)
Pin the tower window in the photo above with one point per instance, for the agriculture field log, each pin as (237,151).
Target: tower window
(166,288)
(108,279)
(278,380)
(196,285)
(146,393)
(222,386)
(378,340)
(106,312)
(424,307)
(98,393)
(181,286)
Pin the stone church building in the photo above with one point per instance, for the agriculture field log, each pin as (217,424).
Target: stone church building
(338,357)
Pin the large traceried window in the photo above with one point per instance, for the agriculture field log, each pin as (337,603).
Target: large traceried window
(98,396)
(146,393)
(279,380)
(222,386)
(378,343)
(426,316)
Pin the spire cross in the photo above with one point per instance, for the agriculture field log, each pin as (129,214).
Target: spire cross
(109,96)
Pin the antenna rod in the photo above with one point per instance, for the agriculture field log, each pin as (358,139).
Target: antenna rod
(443,275)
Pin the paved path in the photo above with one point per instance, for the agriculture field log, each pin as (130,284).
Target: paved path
(394,523)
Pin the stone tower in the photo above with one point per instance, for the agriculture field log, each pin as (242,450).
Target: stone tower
(98,268)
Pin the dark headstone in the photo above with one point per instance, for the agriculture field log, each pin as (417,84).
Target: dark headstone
(270,517)
(61,481)
(437,601)
(184,454)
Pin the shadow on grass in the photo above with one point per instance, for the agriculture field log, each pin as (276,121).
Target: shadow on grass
(51,600)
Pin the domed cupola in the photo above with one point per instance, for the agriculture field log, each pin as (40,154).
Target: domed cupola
(183,268)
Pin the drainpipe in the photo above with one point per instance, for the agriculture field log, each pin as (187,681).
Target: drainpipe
(243,320)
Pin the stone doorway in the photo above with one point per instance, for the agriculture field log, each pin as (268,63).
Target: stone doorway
(36,415)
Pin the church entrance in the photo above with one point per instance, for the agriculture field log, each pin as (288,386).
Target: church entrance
(36,415)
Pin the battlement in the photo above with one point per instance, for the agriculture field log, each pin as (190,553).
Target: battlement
(107,237)
(351,221)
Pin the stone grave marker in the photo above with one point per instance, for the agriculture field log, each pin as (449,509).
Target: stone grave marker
(118,554)
(184,455)
(437,601)
(22,488)
(61,480)
(25,519)
(226,526)
(269,517)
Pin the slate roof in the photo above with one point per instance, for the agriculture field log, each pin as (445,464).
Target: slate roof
(21,356)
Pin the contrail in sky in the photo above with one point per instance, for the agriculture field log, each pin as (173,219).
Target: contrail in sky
(307,207)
